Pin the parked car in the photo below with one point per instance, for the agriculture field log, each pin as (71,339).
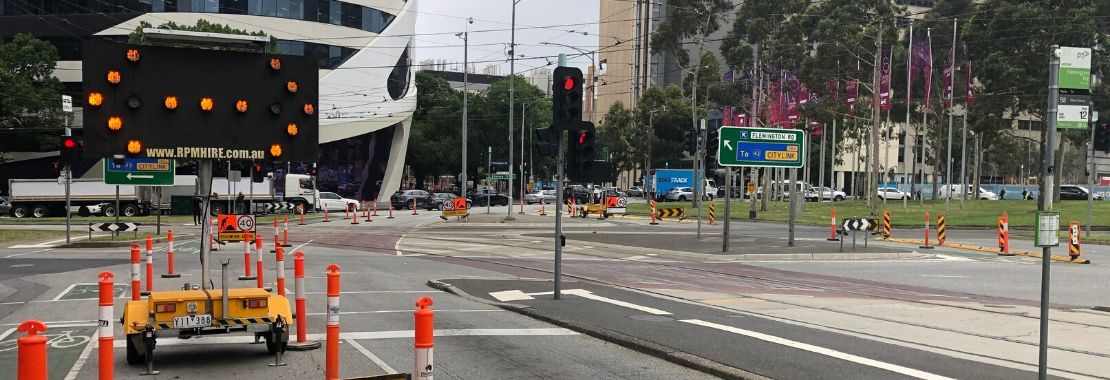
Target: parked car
(333,202)
(680,194)
(635,191)
(403,198)
(1076,193)
(434,201)
(823,193)
(481,196)
(547,196)
(579,193)
(984,194)
(5,207)
(892,193)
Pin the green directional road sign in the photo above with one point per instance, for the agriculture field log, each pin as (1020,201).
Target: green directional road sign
(139,171)
(740,146)
(502,176)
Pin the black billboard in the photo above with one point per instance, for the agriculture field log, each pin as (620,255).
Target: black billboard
(185,103)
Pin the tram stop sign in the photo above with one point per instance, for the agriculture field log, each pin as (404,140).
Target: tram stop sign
(761,147)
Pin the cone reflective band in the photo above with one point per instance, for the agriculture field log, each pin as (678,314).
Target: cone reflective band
(298,294)
(136,287)
(279,257)
(285,230)
(258,263)
(104,327)
(32,351)
(332,349)
(424,339)
(1073,240)
(149,263)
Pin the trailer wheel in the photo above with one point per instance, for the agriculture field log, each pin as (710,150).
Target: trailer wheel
(134,357)
(109,210)
(130,210)
(40,211)
(20,211)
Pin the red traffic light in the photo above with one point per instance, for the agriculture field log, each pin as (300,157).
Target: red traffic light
(257,168)
(568,83)
(582,137)
(69,143)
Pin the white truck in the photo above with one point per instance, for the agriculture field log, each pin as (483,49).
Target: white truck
(298,189)
(39,198)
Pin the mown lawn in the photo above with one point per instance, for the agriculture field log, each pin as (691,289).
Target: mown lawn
(973,214)
(21,235)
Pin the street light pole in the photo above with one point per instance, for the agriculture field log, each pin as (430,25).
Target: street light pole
(466,94)
(512,103)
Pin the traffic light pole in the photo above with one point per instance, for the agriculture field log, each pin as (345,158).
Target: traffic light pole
(559,239)
(1094,171)
(69,180)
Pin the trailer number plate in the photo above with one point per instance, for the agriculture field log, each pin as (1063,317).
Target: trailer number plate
(192,321)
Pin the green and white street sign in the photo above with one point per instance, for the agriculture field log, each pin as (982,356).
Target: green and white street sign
(502,176)
(761,147)
(1075,68)
(1073,111)
(139,171)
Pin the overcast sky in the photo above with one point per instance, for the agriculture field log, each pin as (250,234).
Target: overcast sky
(537,21)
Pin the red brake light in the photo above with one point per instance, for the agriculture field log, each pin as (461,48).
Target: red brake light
(568,83)
(165,308)
(254,304)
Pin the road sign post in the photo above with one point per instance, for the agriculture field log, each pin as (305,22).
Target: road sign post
(139,171)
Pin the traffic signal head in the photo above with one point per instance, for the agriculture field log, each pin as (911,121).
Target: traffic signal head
(691,142)
(71,148)
(1102,137)
(566,98)
(258,172)
(582,153)
(711,139)
(547,141)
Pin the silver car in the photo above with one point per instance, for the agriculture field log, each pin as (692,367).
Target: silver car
(680,194)
(546,196)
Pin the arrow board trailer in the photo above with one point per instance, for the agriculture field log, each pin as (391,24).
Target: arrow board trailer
(761,147)
(39,198)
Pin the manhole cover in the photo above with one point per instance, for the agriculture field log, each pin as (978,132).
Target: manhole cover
(651,318)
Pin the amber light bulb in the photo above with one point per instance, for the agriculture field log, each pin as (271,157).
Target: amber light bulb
(275,150)
(115,123)
(291,129)
(206,104)
(95,99)
(241,105)
(134,146)
(113,77)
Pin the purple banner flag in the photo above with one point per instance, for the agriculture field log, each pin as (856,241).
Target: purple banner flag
(969,96)
(884,79)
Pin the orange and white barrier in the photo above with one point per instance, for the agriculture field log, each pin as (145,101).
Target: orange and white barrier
(258,263)
(32,351)
(1073,240)
(423,341)
(105,335)
(285,231)
(927,245)
(212,235)
(354,215)
(1004,235)
(302,342)
(390,212)
(331,366)
(326,215)
(543,206)
(169,257)
(279,257)
(366,211)
(247,243)
(375,206)
(136,286)
(149,264)
(302,215)
(651,203)
(832,227)
(414,206)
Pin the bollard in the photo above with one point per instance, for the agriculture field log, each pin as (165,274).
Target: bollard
(390,212)
(279,257)
(1073,240)
(212,236)
(543,206)
(247,257)
(136,287)
(886,224)
(423,341)
(712,213)
(302,343)
(332,350)
(366,212)
(169,257)
(521,203)
(942,230)
(258,264)
(302,216)
(651,204)
(149,264)
(326,215)
(32,351)
(832,227)
(375,206)
(414,206)
(354,217)
(285,231)
(926,246)
(104,330)
(346,211)
(1004,235)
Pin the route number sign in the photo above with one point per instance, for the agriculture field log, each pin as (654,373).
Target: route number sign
(761,147)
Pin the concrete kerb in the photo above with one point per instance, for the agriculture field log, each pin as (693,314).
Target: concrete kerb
(654,349)
(994,250)
(120,243)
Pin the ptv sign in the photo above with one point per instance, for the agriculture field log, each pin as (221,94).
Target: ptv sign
(761,147)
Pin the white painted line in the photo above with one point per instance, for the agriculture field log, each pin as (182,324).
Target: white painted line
(21,265)
(952,258)
(299,246)
(379,291)
(6,333)
(410,310)
(59,324)
(26,253)
(59,296)
(587,295)
(397,246)
(820,350)
(73,371)
(370,355)
(511,295)
(364,335)
(942,276)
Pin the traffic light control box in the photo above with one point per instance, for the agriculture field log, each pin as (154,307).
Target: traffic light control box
(167,102)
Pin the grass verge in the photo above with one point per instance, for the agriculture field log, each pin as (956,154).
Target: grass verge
(21,235)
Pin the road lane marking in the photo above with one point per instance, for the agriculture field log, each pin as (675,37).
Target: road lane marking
(370,355)
(588,295)
(26,253)
(511,295)
(820,350)
(67,289)
(299,246)
(410,310)
(379,292)
(942,276)
(81,359)
(364,335)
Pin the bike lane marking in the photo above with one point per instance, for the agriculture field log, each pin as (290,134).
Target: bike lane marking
(66,345)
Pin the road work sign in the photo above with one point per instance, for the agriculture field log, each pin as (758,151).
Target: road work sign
(455,207)
(232,227)
(761,147)
(139,171)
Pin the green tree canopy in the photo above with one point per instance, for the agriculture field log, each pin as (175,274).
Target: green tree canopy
(30,96)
